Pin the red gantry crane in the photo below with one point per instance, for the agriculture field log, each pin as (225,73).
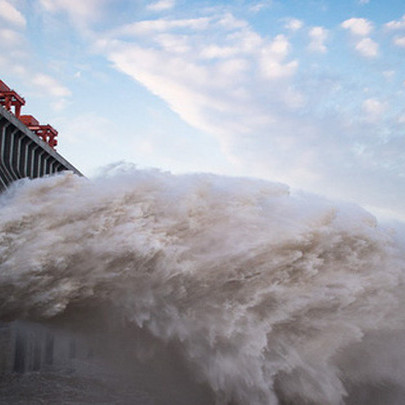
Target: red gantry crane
(9,98)
(46,132)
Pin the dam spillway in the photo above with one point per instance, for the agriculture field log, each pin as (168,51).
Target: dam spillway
(23,154)
(27,151)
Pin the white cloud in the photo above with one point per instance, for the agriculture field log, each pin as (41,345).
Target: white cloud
(358,26)
(396,24)
(162,5)
(15,58)
(400,41)
(272,69)
(173,43)
(50,85)
(229,22)
(208,82)
(388,74)
(233,67)
(223,78)
(367,47)
(10,38)
(80,11)
(246,41)
(279,46)
(272,59)
(10,14)
(293,24)
(361,27)
(255,8)
(188,88)
(318,37)
(215,51)
(148,27)
(373,109)
(16,67)
(364,1)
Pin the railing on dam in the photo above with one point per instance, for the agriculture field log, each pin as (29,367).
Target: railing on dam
(23,154)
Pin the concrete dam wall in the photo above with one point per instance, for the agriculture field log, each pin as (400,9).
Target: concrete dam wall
(23,154)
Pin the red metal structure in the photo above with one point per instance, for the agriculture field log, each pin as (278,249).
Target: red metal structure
(9,98)
(46,132)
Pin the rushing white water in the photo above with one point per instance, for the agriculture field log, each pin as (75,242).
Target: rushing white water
(273,298)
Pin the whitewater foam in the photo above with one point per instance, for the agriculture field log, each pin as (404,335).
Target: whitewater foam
(273,297)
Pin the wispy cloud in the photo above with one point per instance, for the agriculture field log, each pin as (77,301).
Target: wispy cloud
(50,85)
(396,24)
(222,77)
(293,24)
(11,15)
(161,5)
(373,109)
(318,36)
(147,27)
(13,44)
(388,74)
(187,83)
(400,41)
(258,6)
(79,11)
(10,38)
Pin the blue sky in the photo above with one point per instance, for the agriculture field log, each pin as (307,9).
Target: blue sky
(308,93)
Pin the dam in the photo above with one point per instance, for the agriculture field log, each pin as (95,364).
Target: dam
(25,152)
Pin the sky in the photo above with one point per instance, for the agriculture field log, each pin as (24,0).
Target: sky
(310,93)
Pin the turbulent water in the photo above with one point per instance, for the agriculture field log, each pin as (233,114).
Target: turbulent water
(268,297)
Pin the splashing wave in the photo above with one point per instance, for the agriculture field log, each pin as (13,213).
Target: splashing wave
(274,298)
